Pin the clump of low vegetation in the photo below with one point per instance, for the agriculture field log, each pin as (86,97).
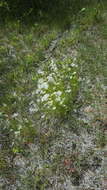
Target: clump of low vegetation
(57,86)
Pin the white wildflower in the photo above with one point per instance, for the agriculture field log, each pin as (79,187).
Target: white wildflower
(33,109)
(17,133)
(68,90)
(38,91)
(40,71)
(58,93)
(14,93)
(54,108)
(41,80)
(43,85)
(74,73)
(50,103)
(50,79)
(15,115)
(58,98)
(5,105)
(52,61)
(45,97)
(42,116)
(69,69)
(74,65)
(74,59)
(62,101)
(20,127)
(38,100)
(53,66)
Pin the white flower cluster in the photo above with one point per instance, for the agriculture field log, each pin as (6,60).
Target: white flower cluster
(33,107)
(55,85)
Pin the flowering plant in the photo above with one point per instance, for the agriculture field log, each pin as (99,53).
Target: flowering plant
(57,86)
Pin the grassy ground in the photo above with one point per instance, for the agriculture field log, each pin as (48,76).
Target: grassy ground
(54,105)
